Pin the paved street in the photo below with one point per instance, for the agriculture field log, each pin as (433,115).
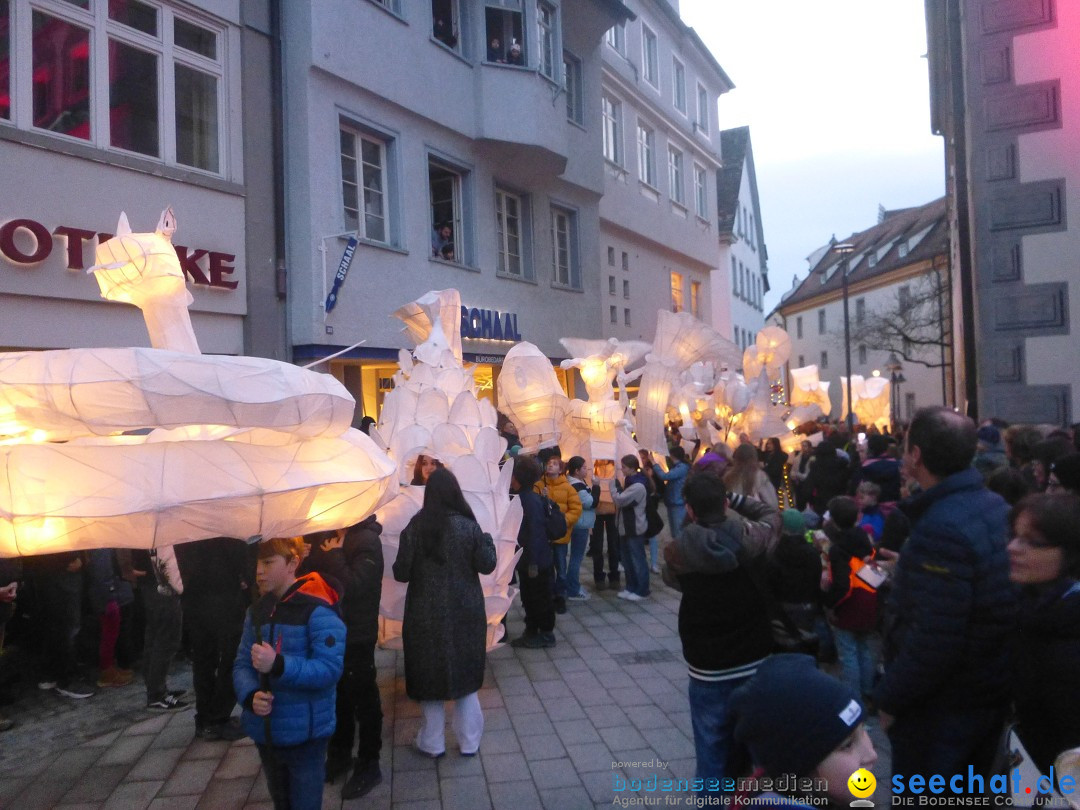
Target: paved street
(612,691)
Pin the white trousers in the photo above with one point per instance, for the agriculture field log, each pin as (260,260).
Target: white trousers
(467,724)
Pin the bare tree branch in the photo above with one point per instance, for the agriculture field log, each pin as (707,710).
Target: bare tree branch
(913,324)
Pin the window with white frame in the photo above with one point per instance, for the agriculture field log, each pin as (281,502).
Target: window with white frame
(734,276)
(613,313)
(678,84)
(611,255)
(363,185)
(824,360)
(545,39)
(625,261)
(626,316)
(445,21)
(446,190)
(862,353)
(508,231)
(616,38)
(798,330)
(701,191)
(695,298)
(650,68)
(677,302)
(573,83)
(646,145)
(611,111)
(860,310)
(821,321)
(675,175)
(802,360)
(611,285)
(564,249)
(626,288)
(134,76)
(703,109)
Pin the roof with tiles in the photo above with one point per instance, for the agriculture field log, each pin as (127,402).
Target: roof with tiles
(919,233)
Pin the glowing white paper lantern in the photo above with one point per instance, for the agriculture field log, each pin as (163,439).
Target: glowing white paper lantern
(530,394)
(237,446)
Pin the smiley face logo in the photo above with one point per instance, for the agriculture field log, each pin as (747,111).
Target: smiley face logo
(862,783)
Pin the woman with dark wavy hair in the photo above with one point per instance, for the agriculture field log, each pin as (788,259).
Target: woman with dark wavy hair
(442,553)
(1044,560)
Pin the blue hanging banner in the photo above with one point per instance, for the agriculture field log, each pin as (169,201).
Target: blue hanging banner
(342,271)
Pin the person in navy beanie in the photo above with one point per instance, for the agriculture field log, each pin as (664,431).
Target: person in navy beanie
(800,724)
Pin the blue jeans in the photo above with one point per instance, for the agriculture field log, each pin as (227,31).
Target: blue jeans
(632,554)
(559,552)
(579,541)
(712,730)
(294,775)
(856,659)
(654,551)
(675,516)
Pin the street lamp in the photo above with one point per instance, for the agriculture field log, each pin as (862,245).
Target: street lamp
(896,377)
(843,250)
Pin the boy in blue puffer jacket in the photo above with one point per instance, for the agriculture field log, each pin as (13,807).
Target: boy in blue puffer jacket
(287,667)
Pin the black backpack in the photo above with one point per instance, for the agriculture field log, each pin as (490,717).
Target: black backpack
(554,519)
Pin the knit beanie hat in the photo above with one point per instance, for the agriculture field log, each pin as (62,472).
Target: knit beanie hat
(791,715)
(793,521)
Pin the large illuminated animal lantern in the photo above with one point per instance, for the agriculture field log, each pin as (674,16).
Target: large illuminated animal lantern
(433,410)
(146,448)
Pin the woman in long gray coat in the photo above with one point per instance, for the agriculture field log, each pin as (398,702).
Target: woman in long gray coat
(441,554)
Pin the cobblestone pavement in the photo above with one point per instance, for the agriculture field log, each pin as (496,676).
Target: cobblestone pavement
(557,723)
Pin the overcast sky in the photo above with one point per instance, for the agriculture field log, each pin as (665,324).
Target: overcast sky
(836,96)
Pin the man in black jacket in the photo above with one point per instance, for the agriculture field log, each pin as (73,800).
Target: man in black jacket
(217,581)
(945,691)
(352,559)
(718,563)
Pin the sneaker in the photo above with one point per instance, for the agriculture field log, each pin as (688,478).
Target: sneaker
(630,596)
(45,686)
(656,569)
(176,693)
(76,690)
(365,776)
(114,676)
(622,594)
(167,704)
(579,597)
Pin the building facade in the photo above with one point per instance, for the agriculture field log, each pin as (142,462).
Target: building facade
(110,107)
(474,165)
(742,278)
(898,310)
(661,152)
(1005,91)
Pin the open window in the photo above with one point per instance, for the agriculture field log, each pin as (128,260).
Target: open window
(445,189)
(504,35)
(445,23)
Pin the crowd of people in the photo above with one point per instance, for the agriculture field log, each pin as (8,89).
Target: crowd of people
(935,572)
